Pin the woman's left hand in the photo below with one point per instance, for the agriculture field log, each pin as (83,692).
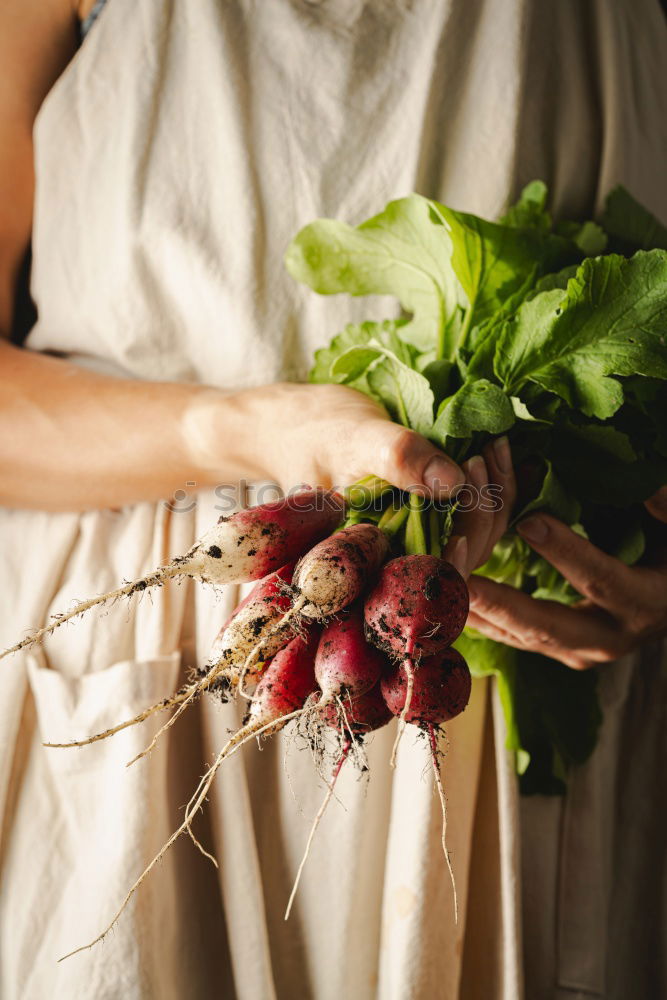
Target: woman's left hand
(622,608)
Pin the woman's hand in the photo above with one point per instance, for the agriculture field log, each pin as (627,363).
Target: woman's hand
(330,435)
(622,608)
(486,502)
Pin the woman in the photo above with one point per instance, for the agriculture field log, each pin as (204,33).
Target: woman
(175,155)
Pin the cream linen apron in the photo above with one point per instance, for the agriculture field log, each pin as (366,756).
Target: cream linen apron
(176,156)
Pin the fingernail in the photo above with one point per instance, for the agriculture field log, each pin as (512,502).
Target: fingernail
(437,476)
(502,454)
(476,470)
(533,529)
(457,553)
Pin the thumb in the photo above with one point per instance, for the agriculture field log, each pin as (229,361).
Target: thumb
(406,459)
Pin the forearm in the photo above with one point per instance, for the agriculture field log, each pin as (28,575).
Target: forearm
(71,439)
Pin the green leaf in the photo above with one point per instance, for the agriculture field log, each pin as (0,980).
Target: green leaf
(611,320)
(493,262)
(509,561)
(483,339)
(529,211)
(521,411)
(478,405)
(591,239)
(631,542)
(558,717)
(551,585)
(554,499)
(557,279)
(399,252)
(599,464)
(440,374)
(403,391)
(551,712)
(486,657)
(630,225)
(354,363)
(356,335)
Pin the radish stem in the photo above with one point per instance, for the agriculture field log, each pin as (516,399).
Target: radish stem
(434,532)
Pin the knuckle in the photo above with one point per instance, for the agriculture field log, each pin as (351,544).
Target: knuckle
(540,638)
(596,588)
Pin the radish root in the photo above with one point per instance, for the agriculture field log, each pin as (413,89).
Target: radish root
(194,691)
(433,741)
(244,734)
(316,823)
(409,668)
(161,706)
(153,579)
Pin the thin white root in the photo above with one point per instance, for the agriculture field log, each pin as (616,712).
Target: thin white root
(196,802)
(443,804)
(161,706)
(408,666)
(136,586)
(316,823)
(201,848)
(254,654)
(182,698)
(196,688)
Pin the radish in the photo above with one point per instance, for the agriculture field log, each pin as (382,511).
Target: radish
(331,576)
(242,547)
(440,691)
(346,664)
(336,571)
(280,697)
(255,616)
(418,606)
(364,714)
(367,713)
(287,681)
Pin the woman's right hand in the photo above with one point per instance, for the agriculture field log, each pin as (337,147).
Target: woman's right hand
(331,436)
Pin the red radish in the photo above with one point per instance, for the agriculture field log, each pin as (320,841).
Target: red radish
(363,714)
(418,606)
(346,664)
(366,713)
(255,616)
(287,681)
(336,571)
(441,689)
(242,547)
(279,698)
(332,575)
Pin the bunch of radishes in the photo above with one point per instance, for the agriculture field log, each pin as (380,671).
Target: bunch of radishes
(336,633)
